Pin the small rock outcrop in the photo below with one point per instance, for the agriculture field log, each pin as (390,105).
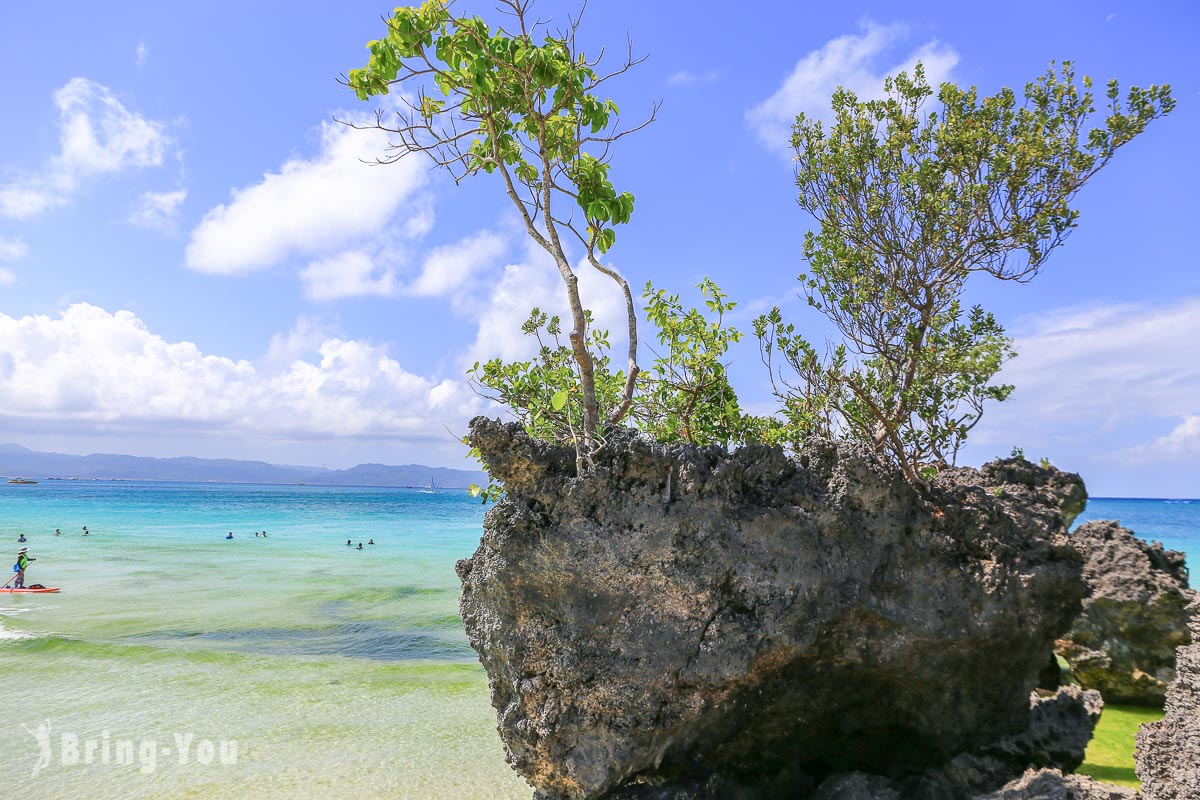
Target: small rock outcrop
(1124,642)
(688,620)
(1168,751)
(1060,728)
(1051,784)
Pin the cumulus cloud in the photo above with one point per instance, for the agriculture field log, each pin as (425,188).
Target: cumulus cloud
(449,268)
(532,282)
(12,249)
(1184,439)
(97,135)
(109,371)
(159,209)
(1086,374)
(318,208)
(858,62)
(350,274)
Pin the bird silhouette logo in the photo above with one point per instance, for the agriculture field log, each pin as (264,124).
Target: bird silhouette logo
(42,735)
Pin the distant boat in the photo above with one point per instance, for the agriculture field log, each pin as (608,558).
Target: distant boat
(21,480)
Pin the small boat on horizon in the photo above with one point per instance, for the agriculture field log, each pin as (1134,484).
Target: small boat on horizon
(21,480)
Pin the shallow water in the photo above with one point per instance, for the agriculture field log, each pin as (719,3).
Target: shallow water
(336,671)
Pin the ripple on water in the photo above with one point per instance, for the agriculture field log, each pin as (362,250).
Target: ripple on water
(365,640)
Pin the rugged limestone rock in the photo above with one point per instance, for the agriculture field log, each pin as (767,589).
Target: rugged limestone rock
(1124,642)
(1168,751)
(1059,729)
(685,617)
(1050,784)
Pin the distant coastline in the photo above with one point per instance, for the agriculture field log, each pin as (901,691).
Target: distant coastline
(20,462)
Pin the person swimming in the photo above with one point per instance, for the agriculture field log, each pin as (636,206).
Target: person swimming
(57,532)
(359,546)
(349,543)
(230,536)
(372,541)
(22,538)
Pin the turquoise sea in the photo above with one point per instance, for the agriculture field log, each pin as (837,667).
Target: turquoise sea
(337,672)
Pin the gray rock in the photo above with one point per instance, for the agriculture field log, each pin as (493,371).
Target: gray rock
(1060,728)
(1168,751)
(1124,642)
(1050,784)
(686,612)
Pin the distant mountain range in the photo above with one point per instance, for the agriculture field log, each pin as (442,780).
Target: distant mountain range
(18,461)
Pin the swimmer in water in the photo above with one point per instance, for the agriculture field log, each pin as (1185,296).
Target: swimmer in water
(230,536)
(371,542)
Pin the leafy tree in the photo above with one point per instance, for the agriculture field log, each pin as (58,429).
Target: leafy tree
(522,104)
(685,395)
(543,392)
(909,201)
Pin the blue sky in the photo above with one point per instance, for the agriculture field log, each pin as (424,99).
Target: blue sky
(193,260)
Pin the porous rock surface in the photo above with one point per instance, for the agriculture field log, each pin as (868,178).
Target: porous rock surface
(1059,729)
(687,618)
(1168,751)
(1124,642)
(1052,784)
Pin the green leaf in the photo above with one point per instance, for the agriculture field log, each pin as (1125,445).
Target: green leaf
(559,400)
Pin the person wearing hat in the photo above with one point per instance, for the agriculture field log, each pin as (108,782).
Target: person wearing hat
(22,562)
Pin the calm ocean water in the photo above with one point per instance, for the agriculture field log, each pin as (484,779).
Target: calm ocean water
(338,672)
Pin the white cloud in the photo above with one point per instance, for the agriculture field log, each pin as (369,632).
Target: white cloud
(535,282)
(159,209)
(97,135)
(852,61)
(139,55)
(353,273)
(1092,374)
(318,208)
(12,249)
(449,270)
(7,277)
(688,78)
(108,371)
(1183,440)
(305,337)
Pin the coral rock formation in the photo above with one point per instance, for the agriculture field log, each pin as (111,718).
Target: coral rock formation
(1168,751)
(1124,642)
(687,617)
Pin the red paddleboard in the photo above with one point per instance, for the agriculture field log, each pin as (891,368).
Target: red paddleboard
(30,591)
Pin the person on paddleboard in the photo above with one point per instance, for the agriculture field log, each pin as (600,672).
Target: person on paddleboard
(23,560)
